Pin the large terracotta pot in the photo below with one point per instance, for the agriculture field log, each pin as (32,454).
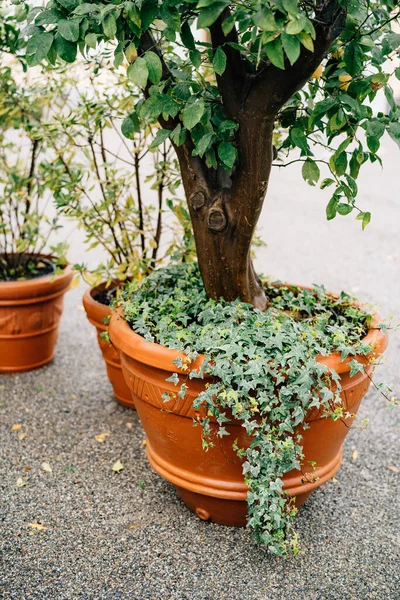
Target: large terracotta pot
(30,313)
(211,483)
(97,313)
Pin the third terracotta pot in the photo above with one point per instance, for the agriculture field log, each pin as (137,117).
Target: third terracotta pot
(98,315)
(211,483)
(30,313)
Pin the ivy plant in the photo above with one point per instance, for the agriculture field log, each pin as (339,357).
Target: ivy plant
(261,370)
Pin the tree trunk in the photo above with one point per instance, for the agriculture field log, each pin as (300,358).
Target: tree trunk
(224,210)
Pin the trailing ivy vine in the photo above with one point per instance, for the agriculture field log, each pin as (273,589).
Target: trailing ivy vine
(264,373)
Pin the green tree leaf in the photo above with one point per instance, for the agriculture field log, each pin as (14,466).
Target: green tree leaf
(209,14)
(130,126)
(265,20)
(275,53)
(292,47)
(38,47)
(192,114)
(365,217)
(138,72)
(311,172)
(109,26)
(227,154)
(66,50)
(331,208)
(160,137)
(154,66)
(69,29)
(219,61)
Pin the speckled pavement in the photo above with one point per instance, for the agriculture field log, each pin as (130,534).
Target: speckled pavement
(127,535)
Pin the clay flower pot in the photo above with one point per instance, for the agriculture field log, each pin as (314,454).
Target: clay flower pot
(30,313)
(211,483)
(96,313)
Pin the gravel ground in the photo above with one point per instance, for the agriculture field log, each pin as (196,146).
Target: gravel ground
(127,535)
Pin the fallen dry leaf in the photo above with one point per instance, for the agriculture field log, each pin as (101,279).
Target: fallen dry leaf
(22,436)
(102,436)
(16,427)
(27,469)
(37,526)
(20,482)
(394,469)
(118,466)
(144,443)
(46,467)
(334,480)
(355,455)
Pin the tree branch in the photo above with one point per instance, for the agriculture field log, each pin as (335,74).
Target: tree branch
(273,87)
(232,82)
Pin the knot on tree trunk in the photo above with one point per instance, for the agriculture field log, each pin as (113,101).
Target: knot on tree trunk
(198,200)
(217,220)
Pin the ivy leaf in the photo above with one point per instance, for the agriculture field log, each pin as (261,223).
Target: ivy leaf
(227,154)
(69,30)
(138,72)
(192,114)
(219,61)
(154,66)
(291,45)
(275,53)
(310,172)
(160,137)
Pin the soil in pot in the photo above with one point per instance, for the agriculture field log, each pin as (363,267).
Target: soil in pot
(20,267)
(96,302)
(30,313)
(299,369)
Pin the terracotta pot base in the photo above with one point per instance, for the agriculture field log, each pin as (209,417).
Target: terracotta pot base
(96,313)
(225,502)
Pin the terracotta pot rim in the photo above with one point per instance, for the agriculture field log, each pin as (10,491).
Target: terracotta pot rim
(96,312)
(36,289)
(155,355)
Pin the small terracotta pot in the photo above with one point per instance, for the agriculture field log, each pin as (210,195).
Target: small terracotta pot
(211,483)
(96,313)
(30,313)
